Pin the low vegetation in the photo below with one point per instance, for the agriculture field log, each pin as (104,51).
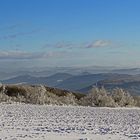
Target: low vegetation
(99,97)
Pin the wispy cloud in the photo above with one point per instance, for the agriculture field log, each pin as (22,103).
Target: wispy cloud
(84,45)
(98,44)
(15,35)
(19,55)
(9,27)
(59,45)
(64,45)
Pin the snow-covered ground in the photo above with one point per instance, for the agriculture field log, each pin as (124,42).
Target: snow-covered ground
(36,122)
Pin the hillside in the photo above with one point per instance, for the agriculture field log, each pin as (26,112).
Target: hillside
(39,94)
(76,83)
(82,82)
(130,83)
(27,79)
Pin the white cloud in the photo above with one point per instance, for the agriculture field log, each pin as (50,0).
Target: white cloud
(99,43)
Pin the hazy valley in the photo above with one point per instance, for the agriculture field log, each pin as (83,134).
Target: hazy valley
(79,79)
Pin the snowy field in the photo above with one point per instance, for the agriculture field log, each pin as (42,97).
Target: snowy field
(36,122)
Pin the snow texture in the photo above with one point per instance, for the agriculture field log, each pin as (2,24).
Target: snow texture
(44,122)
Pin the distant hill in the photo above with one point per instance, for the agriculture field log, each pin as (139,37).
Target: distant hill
(82,81)
(27,79)
(6,73)
(20,79)
(131,71)
(55,79)
(130,83)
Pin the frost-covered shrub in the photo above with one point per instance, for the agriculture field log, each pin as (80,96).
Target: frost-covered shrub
(4,97)
(86,101)
(35,94)
(42,95)
(11,94)
(101,97)
(13,90)
(69,99)
(51,99)
(122,98)
(98,97)
(137,101)
(106,101)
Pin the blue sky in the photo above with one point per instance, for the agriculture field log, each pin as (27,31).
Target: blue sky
(70,32)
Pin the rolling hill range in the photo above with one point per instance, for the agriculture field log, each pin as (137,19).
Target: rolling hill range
(83,82)
(75,83)
(27,79)
(130,83)
(6,73)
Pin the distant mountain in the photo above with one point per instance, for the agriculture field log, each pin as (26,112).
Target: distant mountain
(27,79)
(53,80)
(6,73)
(132,71)
(130,83)
(20,79)
(61,80)
(82,81)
